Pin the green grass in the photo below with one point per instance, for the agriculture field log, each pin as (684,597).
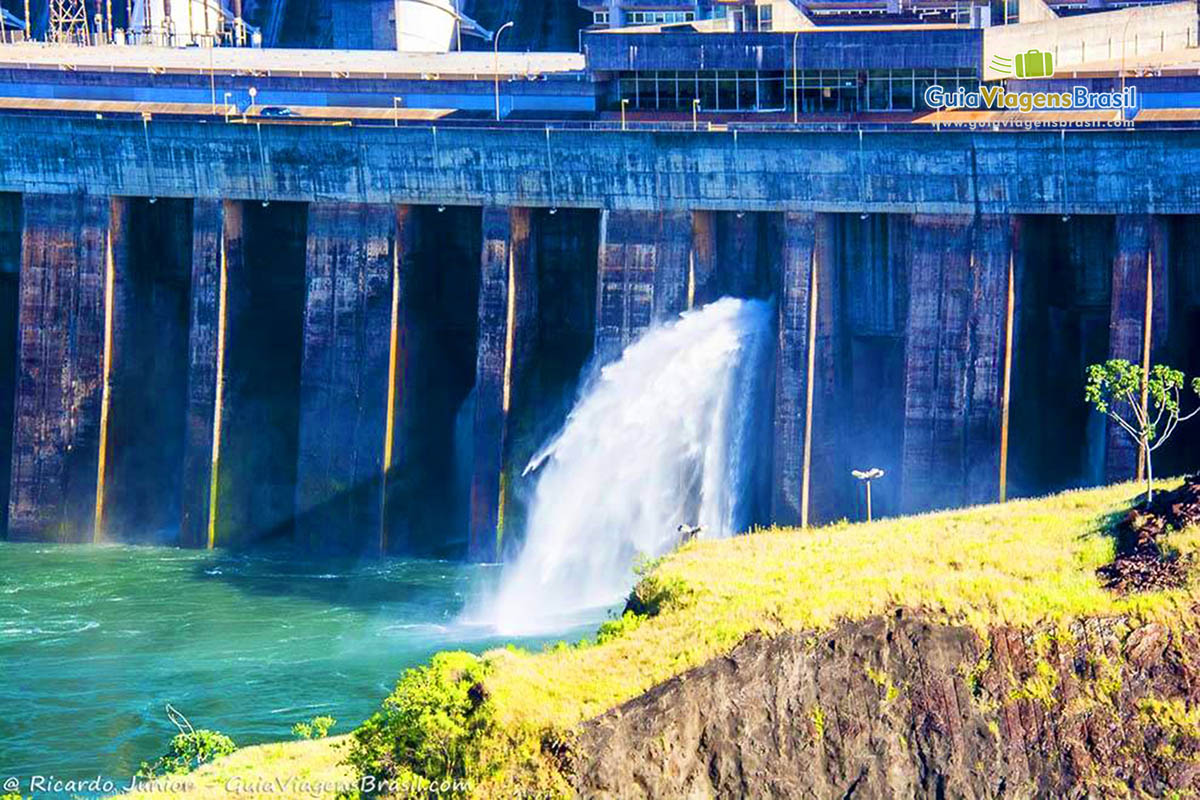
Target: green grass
(1022,563)
(261,771)
(1028,562)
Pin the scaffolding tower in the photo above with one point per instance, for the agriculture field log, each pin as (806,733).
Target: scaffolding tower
(68,22)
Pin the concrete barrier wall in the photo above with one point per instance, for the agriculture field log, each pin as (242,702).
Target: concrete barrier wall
(1091,171)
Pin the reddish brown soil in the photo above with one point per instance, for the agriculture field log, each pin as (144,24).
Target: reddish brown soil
(1142,564)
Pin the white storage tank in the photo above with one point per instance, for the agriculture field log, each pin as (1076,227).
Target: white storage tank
(175,22)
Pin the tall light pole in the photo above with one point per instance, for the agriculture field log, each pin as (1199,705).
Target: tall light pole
(695,112)
(396,112)
(496,63)
(1124,38)
(624,102)
(795,83)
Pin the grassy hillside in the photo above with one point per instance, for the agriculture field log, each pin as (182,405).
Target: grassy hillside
(287,769)
(501,717)
(1024,562)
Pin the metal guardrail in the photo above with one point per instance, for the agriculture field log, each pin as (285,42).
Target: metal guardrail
(640,126)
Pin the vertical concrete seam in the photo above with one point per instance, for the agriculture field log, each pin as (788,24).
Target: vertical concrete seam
(105,380)
(1006,392)
(969,365)
(813,295)
(510,335)
(218,397)
(389,425)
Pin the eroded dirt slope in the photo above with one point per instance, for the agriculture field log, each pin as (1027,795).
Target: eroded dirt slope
(899,706)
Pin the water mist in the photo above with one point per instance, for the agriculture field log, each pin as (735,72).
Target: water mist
(667,435)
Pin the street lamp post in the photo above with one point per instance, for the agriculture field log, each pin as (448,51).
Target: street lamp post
(866,477)
(225,101)
(695,113)
(1124,39)
(396,112)
(624,102)
(496,63)
(253,94)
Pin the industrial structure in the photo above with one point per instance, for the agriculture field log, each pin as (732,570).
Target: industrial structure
(340,297)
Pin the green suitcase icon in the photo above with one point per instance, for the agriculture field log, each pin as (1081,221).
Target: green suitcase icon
(1034,64)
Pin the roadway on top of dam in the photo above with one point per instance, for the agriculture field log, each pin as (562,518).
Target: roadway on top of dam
(285,61)
(1030,172)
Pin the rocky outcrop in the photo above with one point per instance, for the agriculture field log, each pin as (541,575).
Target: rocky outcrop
(900,706)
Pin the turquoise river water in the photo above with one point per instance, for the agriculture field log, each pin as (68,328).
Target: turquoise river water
(95,641)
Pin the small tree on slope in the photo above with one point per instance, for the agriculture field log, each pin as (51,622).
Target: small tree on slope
(1115,389)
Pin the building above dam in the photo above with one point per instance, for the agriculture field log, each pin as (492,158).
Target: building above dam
(341,298)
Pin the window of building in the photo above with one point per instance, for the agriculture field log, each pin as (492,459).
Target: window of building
(829,91)
(659,17)
(600,17)
(764,18)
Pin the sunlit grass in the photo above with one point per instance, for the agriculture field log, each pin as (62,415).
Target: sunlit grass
(286,769)
(1024,562)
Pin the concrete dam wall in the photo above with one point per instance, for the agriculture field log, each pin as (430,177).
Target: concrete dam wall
(218,335)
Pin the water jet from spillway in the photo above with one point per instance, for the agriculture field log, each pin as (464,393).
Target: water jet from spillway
(667,435)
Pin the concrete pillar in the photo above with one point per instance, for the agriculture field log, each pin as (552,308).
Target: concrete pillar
(57,426)
(797,242)
(994,242)
(399,463)
(10,273)
(829,457)
(643,274)
(216,247)
(1136,237)
(344,389)
(704,276)
(507,334)
(953,360)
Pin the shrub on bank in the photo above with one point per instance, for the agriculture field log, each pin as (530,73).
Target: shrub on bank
(438,732)
(186,752)
(430,727)
(315,728)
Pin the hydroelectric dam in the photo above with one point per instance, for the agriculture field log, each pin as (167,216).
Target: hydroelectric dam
(356,336)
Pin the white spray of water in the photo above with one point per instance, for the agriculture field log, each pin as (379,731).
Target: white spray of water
(663,437)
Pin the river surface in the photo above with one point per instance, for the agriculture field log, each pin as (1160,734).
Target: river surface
(94,641)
